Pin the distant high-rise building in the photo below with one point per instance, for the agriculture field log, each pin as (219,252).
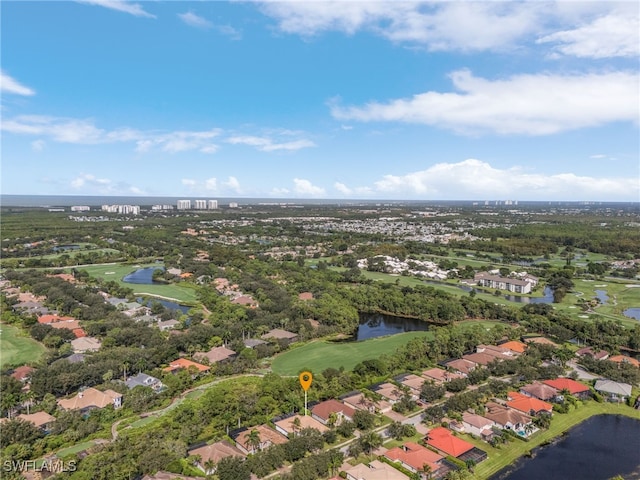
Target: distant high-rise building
(184,205)
(200,205)
(212,204)
(233,204)
(80,208)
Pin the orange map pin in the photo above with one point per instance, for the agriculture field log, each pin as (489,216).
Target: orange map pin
(305,380)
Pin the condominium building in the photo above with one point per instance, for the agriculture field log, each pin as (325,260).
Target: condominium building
(212,204)
(184,204)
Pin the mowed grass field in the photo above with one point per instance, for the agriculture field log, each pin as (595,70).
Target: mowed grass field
(116,272)
(318,356)
(17,349)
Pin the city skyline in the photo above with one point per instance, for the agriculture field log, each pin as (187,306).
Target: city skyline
(345,100)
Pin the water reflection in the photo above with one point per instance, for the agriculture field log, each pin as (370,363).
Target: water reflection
(374,325)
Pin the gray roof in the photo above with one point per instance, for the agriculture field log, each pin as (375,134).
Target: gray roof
(141,379)
(75,358)
(253,342)
(609,386)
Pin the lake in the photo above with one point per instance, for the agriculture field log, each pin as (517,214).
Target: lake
(142,276)
(374,325)
(602,296)
(599,448)
(632,313)
(169,305)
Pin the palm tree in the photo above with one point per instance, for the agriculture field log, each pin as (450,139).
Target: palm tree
(332,420)
(295,425)
(253,440)
(209,465)
(370,441)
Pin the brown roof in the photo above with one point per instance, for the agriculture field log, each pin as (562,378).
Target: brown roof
(389,390)
(306,296)
(461,365)
(90,397)
(268,437)
(326,408)
(375,470)
(414,455)
(503,415)
(22,373)
(539,390)
(413,381)
(624,359)
(216,354)
(477,421)
(305,422)
(481,358)
(39,419)
(280,334)
(216,452)
(540,340)
(440,375)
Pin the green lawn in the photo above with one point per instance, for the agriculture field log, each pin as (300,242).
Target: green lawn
(65,452)
(116,272)
(499,458)
(16,348)
(320,355)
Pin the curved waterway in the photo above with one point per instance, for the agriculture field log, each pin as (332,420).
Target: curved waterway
(142,276)
(599,448)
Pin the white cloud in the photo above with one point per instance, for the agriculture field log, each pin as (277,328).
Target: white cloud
(189,182)
(598,156)
(538,104)
(211,184)
(342,188)
(279,192)
(229,31)
(91,184)
(38,145)
(612,35)
(11,85)
(267,144)
(84,132)
(194,20)
(475,179)
(87,179)
(121,6)
(305,187)
(233,184)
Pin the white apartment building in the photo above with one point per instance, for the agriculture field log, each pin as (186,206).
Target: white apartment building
(233,205)
(212,204)
(184,205)
(80,208)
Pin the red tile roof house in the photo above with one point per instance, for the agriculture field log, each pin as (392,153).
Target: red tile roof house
(541,391)
(214,453)
(23,373)
(530,406)
(444,440)
(91,398)
(267,437)
(624,359)
(413,457)
(323,410)
(48,319)
(514,346)
(305,296)
(183,363)
(576,389)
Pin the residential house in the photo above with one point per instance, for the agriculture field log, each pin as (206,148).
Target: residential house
(613,391)
(440,376)
(23,373)
(506,418)
(75,358)
(514,346)
(359,402)
(477,425)
(168,325)
(213,454)
(183,363)
(266,437)
(41,420)
(246,301)
(461,366)
(279,334)
(253,342)
(413,382)
(91,398)
(414,457)
(595,354)
(216,355)
(576,389)
(529,405)
(479,358)
(375,470)
(445,441)
(305,296)
(86,344)
(389,391)
(53,318)
(144,380)
(291,426)
(541,391)
(620,359)
(539,341)
(323,411)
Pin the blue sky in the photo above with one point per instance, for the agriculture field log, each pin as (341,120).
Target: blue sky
(363,100)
